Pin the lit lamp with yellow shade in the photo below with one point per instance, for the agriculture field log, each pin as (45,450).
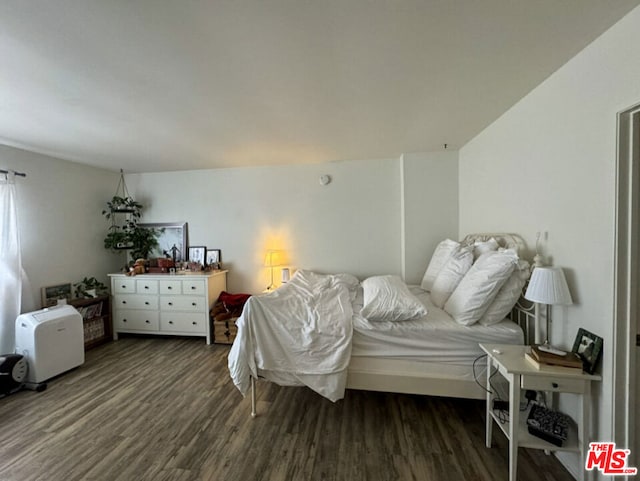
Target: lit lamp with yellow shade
(273,259)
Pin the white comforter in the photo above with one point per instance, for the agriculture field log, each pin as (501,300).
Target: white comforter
(299,334)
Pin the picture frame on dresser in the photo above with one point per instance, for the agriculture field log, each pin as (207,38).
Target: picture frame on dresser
(197,254)
(172,240)
(213,257)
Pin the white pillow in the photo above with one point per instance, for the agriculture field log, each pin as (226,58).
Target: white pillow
(480,286)
(440,256)
(450,276)
(482,247)
(387,298)
(507,296)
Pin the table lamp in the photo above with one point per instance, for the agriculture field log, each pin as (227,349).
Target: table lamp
(273,259)
(548,286)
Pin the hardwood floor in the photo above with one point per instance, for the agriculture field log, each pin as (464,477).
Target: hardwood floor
(166,409)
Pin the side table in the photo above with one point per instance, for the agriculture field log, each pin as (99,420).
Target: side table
(510,362)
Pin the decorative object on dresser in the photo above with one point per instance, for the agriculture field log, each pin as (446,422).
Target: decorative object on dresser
(548,286)
(96,320)
(197,254)
(214,258)
(172,240)
(165,304)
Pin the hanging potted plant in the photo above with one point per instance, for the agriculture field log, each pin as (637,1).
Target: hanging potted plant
(123,205)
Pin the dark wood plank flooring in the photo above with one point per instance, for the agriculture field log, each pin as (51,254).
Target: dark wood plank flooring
(165,409)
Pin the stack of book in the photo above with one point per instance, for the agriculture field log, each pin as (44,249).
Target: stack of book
(542,359)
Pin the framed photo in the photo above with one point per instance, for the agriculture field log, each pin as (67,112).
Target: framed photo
(197,254)
(213,257)
(589,347)
(172,240)
(50,295)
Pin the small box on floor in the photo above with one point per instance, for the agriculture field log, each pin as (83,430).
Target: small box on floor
(224,332)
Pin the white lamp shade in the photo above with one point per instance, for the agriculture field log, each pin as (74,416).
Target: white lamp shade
(274,259)
(548,286)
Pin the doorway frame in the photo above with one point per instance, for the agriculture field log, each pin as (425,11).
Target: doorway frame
(626,274)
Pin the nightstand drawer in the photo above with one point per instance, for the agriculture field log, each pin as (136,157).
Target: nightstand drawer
(554,384)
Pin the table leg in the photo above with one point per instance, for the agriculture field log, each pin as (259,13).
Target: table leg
(514,421)
(489,420)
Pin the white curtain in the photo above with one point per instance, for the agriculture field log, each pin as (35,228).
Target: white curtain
(11,272)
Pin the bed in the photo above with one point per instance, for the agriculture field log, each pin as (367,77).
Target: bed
(428,355)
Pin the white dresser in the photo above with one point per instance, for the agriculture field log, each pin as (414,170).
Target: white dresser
(165,304)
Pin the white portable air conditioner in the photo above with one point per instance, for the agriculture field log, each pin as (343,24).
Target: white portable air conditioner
(51,340)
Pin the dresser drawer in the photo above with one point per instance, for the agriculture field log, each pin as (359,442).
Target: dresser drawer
(183,322)
(145,286)
(183,303)
(171,287)
(135,301)
(126,286)
(194,288)
(549,383)
(136,320)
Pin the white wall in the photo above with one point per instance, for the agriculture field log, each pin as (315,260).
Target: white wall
(430,207)
(351,225)
(59,214)
(548,164)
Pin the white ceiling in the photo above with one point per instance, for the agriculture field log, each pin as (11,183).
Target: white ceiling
(156,85)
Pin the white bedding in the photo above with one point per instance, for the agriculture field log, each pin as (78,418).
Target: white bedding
(308,332)
(433,338)
(299,334)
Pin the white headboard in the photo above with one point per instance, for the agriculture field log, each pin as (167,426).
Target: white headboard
(509,241)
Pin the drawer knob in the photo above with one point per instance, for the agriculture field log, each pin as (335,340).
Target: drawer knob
(194,304)
(193,288)
(171,303)
(123,286)
(554,385)
(146,287)
(169,287)
(170,322)
(124,320)
(124,302)
(194,323)
(146,303)
(148,321)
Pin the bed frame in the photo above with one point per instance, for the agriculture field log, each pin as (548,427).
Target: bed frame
(409,377)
